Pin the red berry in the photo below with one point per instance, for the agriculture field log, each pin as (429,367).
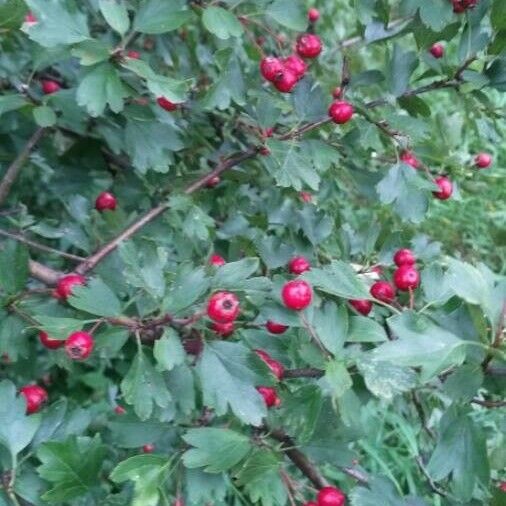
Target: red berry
(377,269)
(296,64)
(445,188)
(178,502)
(409,158)
(437,50)
(406,277)
(270,396)
(297,294)
(363,306)
(35,397)
(313,15)
(30,18)
(306,197)
(217,260)
(337,92)
(267,132)
(276,367)
(166,104)
(214,181)
(79,345)
(483,160)
(223,307)
(271,67)
(276,328)
(404,256)
(105,202)
(264,151)
(49,87)
(341,111)
(310,503)
(502,486)
(223,329)
(64,286)
(149,448)
(383,290)
(298,265)
(286,81)
(308,45)
(49,342)
(331,496)
(119,410)
(133,54)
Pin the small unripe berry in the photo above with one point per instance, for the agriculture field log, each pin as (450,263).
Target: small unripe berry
(362,306)
(49,342)
(437,50)
(35,397)
(30,18)
(298,265)
(148,448)
(297,294)
(286,81)
(264,151)
(223,307)
(271,67)
(49,87)
(106,201)
(404,256)
(341,111)
(79,345)
(296,64)
(406,277)
(313,15)
(65,285)
(133,54)
(223,329)
(309,45)
(383,290)
(217,260)
(330,496)
(166,104)
(410,159)
(337,92)
(214,181)
(445,188)
(276,328)
(483,160)
(502,486)
(270,396)
(276,367)
(306,197)
(119,410)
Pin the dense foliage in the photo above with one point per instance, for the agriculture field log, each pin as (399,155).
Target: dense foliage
(217,289)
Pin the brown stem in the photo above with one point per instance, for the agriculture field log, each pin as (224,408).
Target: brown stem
(43,273)
(489,404)
(16,166)
(429,479)
(307,372)
(42,247)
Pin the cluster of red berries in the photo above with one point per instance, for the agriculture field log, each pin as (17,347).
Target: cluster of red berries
(285,73)
(460,6)
(328,496)
(297,294)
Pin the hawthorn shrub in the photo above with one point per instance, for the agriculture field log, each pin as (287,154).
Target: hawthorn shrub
(214,285)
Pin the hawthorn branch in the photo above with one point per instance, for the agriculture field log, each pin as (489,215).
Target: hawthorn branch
(39,246)
(429,479)
(45,274)
(489,404)
(15,167)
(306,372)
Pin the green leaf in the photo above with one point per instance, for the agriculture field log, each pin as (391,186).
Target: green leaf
(221,23)
(339,279)
(16,428)
(116,14)
(231,274)
(288,13)
(11,103)
(71,466)
(95,298)
(56,24)
(159,17)
(13,267)
(216,450)
(460,451)
(420,343)
(168,350)
(187,287)
(402,65)
(331,325)
(99,88)
(44,116)
(467,282)
(91,52)
(133,467)
(464,382)
(337,378)
(143,386)
(365,330)
(498,15)
(435,14)
(227,380)
(385,379)
(59,328)
(12,13)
